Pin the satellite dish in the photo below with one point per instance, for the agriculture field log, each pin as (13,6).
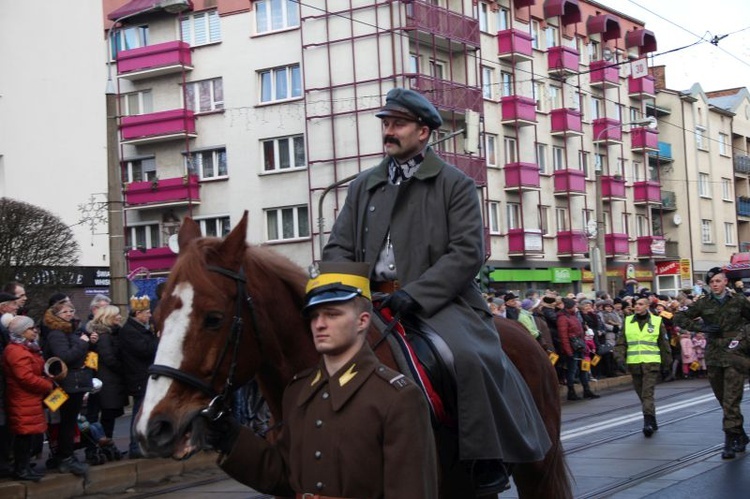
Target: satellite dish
(173,244)
(677,219)
(607,54)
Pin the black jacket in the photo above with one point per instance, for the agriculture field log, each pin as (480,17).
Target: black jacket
(114,393)
(137,351)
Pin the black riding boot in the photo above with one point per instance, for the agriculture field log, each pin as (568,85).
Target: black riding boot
(588,394)
(728,452)
(489,476)
(740,442)
(572,394)
(649,425)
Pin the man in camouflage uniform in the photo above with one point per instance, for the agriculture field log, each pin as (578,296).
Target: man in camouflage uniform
(724,317)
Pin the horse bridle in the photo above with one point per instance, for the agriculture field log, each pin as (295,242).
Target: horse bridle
(219,401)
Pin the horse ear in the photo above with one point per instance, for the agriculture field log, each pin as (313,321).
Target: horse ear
(234,244)
(189,230)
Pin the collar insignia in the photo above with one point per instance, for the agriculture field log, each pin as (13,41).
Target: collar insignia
(316,378)
(348,375)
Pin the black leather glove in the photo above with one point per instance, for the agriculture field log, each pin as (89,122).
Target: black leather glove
(401,303)
(711,328)
(221,434)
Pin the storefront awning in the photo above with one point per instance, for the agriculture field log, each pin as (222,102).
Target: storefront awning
(641,38)
(605,24)
(143,6)
(568,11)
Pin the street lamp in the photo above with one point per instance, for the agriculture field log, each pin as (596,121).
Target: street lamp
(118,269)
(598,254)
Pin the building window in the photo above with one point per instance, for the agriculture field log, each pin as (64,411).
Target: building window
(494,212)
(596,108)
(558,158)
(488,81)
(437,69)
(586,217)
(280,83)
(284,153)
(723,144)
(134,103)
(726,189)
(287,223)
(208,164)
(272,15)
(513,214)
(510,150)
(583,163)
(201,28)
(539,96)
(490,152)
(204,96)
(544,219)
(503,17)
(413,63)
(594,51)
(506,83)
(555,97)
(638,172)
(551,36)
(729,234)
(706,231)
(641,226)
(484,24)
(132,37)
(626,223)
(561,219)
(635,114)
(620,167)
(577,101)
(704,190)
(541,158)
(143,237)
(600,162)
(141,170)
(700,138)
(215,227)
(535,34)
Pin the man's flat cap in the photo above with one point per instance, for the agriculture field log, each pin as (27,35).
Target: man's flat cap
(408,104)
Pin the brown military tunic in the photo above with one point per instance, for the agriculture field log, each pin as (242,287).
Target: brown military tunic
(362,433)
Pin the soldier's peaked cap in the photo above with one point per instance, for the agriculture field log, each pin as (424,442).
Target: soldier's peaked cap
(408,104)
(337,282)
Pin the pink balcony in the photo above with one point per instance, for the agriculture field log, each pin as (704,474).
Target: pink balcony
(647,192)
(447,94)
(514,44)
(651,246)
(644,139)
(154,60)
(518,110)
(570,182)
(445,23)
(158,127)
(522,241)
(164,192)
(524,176)
(565,121)
(473,166)
(153,259)
(641,88)
(613,187)
(607,130)
(562,60)
(616,244)
(604,74)
(572,242)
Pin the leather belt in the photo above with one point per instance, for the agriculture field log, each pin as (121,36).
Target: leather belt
(308,495)
(385,286)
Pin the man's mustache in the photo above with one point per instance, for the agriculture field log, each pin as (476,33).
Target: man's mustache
(391,140)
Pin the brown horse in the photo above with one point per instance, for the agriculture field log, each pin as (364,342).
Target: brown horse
(230,312)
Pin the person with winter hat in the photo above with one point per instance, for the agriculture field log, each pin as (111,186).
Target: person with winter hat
(572,341)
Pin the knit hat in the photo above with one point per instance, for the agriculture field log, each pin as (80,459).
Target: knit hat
(527,303)
(55,298)
(568,303)
(19,324)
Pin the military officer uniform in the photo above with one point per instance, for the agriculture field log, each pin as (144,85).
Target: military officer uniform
(724,318)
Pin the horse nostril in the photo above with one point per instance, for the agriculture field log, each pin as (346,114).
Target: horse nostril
(160,434)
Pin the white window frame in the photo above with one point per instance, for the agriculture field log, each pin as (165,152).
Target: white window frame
(218,226)
(706,231)
(506,83)
(142,100)
(536,35)
(639,173)
(502,19)
(128,38)
(488,81)
(490,152)
(561,219)
(484,17)
(558,158)
(726,189)
(700,138)
(544,219)
(626,222)
(583,163)
(729,234)
(541,158)
(201,28)
(513,215)
(437,69)
(273,75)
(265,16)
(704,187)
(148,175)
(641,226)
(414,63)
(298,212)
(551,36)
(196,162)
(539,96)
(509,150)
(211,89)
(723,144)
(597,107)
(555,97)
(594,50)
(289,143)
(493,209)
(149,229)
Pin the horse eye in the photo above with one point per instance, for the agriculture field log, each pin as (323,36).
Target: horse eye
(213,320)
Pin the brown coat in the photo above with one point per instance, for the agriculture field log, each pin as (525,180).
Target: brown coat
(368,438)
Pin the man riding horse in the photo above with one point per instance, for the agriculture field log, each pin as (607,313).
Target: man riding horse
(418,221)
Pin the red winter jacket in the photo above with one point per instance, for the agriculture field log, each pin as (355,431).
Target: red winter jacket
(568,326)
(26,388)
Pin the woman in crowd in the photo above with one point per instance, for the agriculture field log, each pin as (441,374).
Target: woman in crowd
(573,345)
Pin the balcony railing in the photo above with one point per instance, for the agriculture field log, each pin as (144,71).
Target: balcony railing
(565,121)
(743,206)
(522,241)
(604,74)
(514,44)
(163,192)
(663,154)
(668,200)
(447,94)
(742,163)
(442,22)
(572,242)
(616,244)
(651,247)
(524,176)
(518,110)
(158,127)
(473,166)
(613,187)
(647,192)
(570,182)
(641,88)
(154,60)
(562,61)
(607,130)
(153,259)
(644,139)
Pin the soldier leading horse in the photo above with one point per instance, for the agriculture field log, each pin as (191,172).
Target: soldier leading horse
(231,312)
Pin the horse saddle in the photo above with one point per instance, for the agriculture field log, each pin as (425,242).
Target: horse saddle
(426,358)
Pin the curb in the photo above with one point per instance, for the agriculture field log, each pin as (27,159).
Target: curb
(600,385)
(109,478)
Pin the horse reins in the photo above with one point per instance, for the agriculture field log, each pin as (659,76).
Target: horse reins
(219,401)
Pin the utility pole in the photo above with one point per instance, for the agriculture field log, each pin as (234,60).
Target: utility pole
(118,284)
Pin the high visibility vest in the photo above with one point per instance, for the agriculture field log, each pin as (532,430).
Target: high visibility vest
(643,344)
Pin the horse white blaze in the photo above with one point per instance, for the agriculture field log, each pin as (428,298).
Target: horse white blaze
(169,353)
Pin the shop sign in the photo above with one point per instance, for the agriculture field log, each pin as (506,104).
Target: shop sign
(667,268)
(561,275)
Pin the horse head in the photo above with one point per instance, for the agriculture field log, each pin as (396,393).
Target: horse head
(218,322)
